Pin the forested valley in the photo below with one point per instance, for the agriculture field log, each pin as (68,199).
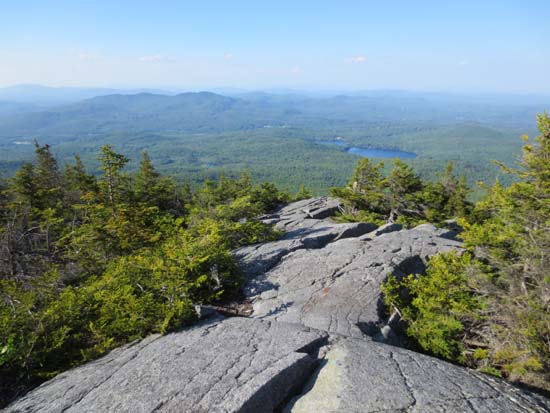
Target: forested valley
(197,136)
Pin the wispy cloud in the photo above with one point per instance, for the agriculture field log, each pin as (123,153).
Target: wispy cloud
(156,58)
(357,59)
(463,63)
(228,56)
(87,56)
(296,70)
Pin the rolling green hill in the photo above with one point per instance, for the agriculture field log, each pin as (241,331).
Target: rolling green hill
(197,135)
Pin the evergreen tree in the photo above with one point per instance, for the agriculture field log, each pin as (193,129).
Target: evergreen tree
(77,179)
(34,217)
(441,308)
(364,197)
(457,205)
(447,197)
(112,184)
(448,179)
(403,186)
(48,179)
(402,196)
(152,188)
(23,186)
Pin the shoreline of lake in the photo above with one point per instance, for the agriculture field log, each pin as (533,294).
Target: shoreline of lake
(383,153)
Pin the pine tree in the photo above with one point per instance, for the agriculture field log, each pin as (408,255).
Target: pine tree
(491,312)
(440,308)
(113,182)
(152,188)
(48,179)
(364,198)
(403,186)
(448,179)
(367,178)
(23,186)
(77,179)
(458,205)
(146,178)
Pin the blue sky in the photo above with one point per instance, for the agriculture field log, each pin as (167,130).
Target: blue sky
(465,46)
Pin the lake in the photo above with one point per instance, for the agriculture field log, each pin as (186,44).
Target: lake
(380,153)
(369,152)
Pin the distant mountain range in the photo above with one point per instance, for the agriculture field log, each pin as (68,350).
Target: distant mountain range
(45,95)
(186,112)
(24,113)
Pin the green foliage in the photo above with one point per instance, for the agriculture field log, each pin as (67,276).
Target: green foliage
(363,197)
(492,311)
(153,189)
(113,183)
(403,186)
(41,327)
(401,196)
(511,231)
(195,136)
(154,290)
(234,205)
(439,307)
(446,197)
(303,193)
(283,154)
(88,264)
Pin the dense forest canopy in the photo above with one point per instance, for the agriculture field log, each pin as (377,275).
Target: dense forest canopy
(195,136)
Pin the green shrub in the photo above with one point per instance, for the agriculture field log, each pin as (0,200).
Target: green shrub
(439,307)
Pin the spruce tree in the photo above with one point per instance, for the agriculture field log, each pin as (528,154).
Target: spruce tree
(113,181)
(403,186)
(151,188)
(48,179)
(77,179)
(23,186)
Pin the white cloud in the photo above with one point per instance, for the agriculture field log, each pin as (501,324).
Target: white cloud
(358,59)
(296,70)
(463,63)
(228,56)
(87,56)
(156,58)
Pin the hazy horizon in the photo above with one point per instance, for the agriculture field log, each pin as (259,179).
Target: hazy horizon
(494,47)
(170,89)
